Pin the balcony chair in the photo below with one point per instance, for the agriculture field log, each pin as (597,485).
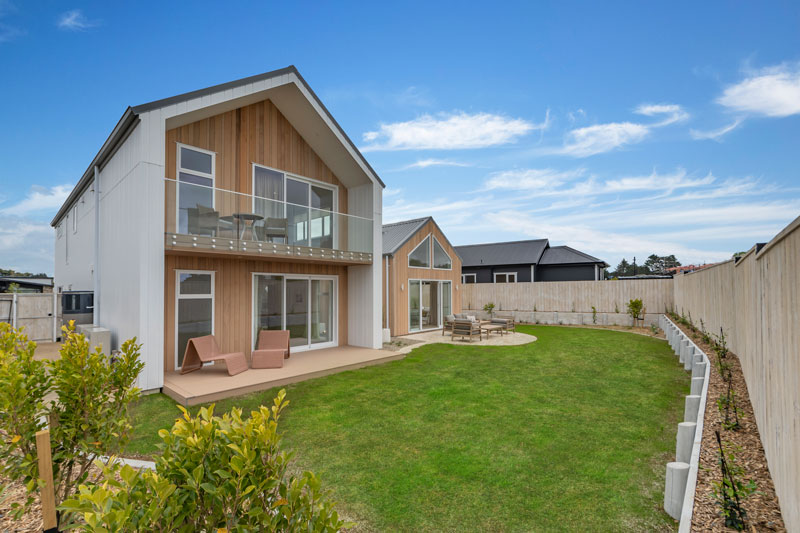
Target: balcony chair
(203,220)
(272,348)
(205,349)
(273,228)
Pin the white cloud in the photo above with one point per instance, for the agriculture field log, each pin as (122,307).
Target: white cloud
(531,179)
(75,20)
(717,134)
(658,182)
(39,200)
(591,140)
(773,92)
(425,163)
(674,113)
(25,245)
(449,131)
(601,138)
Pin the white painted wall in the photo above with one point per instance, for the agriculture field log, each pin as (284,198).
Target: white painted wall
(364,282)
(74,250)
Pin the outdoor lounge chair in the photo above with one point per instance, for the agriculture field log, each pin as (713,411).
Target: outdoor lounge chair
(273,228)
(203,220)
(201,350)
(467,328)
(507,321)
(272,348)
(448,324)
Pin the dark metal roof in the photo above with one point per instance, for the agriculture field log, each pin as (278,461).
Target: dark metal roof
(397,234)
(43,282)
(502,253)
(564,255)
(130,118)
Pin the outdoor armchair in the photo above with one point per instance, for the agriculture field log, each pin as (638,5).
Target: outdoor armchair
(272,348)
(467,328)
(205,349)
(507,321)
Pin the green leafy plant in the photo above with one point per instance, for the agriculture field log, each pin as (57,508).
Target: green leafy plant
(732,490)
(706,336)
(616,308)
(635,309)
(728,409)
(14,287)
(214,473)
(594,315)
(89,394)
(489,308)
(654,329)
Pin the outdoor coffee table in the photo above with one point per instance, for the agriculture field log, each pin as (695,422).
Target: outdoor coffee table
(488,328)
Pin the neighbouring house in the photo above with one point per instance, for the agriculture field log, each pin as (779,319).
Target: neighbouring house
(25,284)
(526,261)
(227,210)
(421,276)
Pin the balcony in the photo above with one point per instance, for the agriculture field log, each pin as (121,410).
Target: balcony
(207,220)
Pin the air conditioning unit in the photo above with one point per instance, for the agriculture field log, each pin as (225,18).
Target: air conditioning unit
(97,336)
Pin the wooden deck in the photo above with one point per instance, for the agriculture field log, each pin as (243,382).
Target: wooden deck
(213,383)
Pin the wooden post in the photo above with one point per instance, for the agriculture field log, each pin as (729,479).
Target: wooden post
(47,493)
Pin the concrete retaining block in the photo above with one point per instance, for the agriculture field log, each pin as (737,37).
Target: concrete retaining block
(691,408)
(688,355)
(697,386)
(699,370)
(675,488)
(685,440)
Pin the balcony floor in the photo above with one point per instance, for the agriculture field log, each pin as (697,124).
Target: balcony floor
(213,383)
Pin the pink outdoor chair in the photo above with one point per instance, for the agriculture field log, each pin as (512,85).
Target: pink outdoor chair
(272,348)
(201,350)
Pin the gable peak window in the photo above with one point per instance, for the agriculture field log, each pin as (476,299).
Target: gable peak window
(441,259)
(420,256)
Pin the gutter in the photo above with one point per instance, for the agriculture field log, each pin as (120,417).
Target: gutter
(127,123)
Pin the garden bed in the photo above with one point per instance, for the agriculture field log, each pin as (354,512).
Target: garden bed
(763,510)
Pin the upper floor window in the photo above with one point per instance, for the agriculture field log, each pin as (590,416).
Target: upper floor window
(421,255)
(59,230)
(440,258)
(505,277)
(195,186)
(75,219)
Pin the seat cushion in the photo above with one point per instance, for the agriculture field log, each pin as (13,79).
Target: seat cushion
(267,358)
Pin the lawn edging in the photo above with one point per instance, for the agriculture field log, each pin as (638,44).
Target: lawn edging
(679,341)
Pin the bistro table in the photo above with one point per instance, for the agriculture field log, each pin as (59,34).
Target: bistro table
(488,328)
(245,221)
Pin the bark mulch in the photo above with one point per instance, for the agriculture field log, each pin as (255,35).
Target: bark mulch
(15,492)
(763,510)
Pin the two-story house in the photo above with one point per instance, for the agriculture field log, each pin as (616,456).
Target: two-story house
(227,210)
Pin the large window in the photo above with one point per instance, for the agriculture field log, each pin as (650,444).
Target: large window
(421,255)
(194,309)
(505,277)
(440,258)
(303,206)
(195,187)
(304,305)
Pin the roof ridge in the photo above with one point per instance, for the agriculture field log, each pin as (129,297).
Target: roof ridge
(496,243)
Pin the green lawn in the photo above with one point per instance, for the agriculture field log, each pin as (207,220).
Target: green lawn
(570,433)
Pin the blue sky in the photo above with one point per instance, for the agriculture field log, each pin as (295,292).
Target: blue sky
(620,129)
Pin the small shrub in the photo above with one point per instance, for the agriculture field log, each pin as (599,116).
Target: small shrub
(215,473)
(635,309)
(489,308)
(594,315)
(616,308)
(89,412)
(728,409)
(654,329)
(731,491)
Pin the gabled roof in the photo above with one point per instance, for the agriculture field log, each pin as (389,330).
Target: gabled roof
(130,119)
(44,282)
(564,255)
(502,253)
(397,234)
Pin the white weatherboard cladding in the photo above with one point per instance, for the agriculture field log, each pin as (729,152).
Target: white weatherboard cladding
(75,271)
(364,282)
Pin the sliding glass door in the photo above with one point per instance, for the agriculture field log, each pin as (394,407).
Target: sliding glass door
(304,305)
(429,301)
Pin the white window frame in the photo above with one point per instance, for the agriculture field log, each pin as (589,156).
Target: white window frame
(508,276)
(75,219)
(464,277)
(179,297)
(440,283)
(60,230)
(430,253)
(179,169)
(284,276)
(297,177)
(433,262)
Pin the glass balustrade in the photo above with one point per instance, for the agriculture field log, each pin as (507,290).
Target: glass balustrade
(242,221)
